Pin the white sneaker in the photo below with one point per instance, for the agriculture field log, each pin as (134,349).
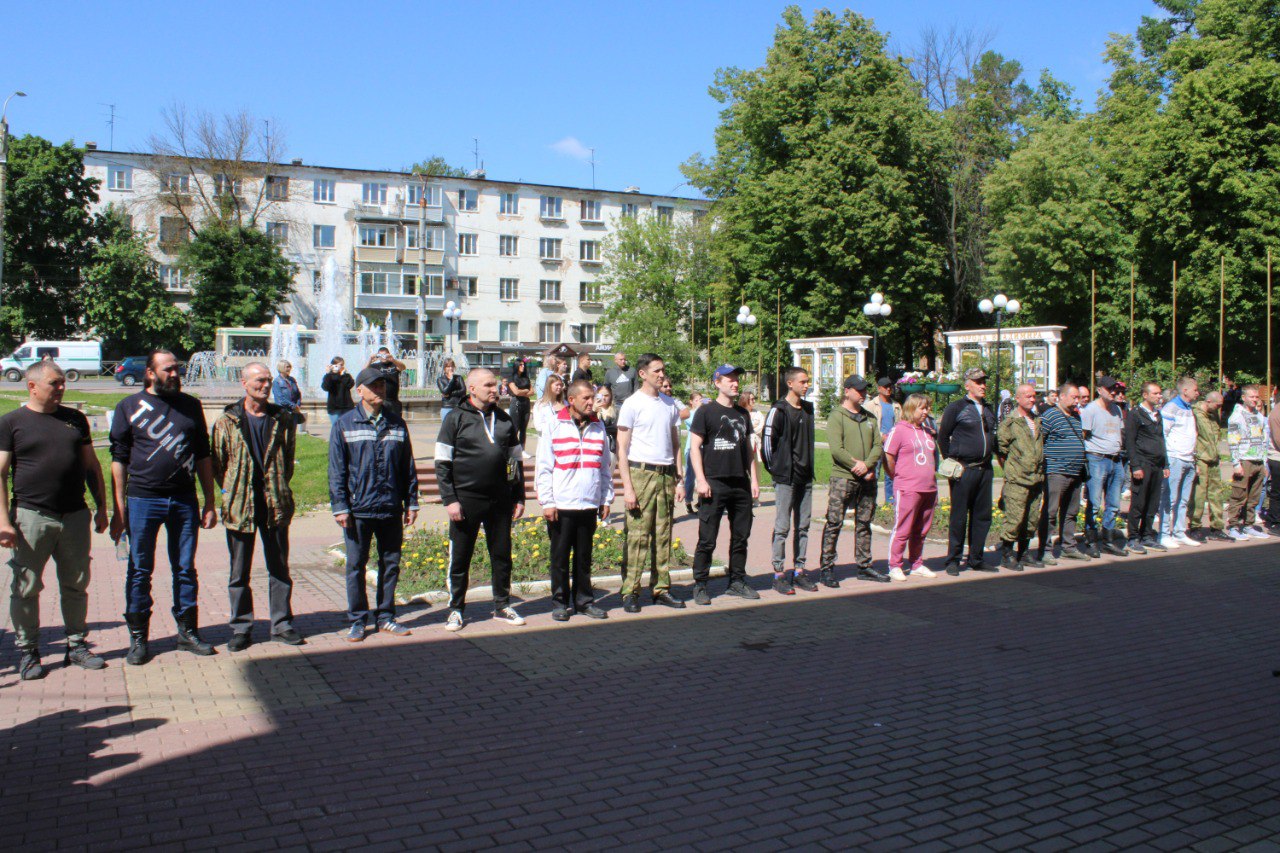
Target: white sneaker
(1184,539)
(526,455)
(1255,532)
(509,615)
(1237,534)
(924,573)
(455,622)
(895,574)
(1170,542)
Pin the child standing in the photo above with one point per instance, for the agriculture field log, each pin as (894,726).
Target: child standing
(910,460)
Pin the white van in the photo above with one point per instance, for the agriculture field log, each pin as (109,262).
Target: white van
(77,358)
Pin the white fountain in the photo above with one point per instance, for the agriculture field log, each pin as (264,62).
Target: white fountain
(285,345)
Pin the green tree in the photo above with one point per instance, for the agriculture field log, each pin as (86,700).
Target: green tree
(240,279)
(818,174)
(48,240)
(125,305)
(437,166)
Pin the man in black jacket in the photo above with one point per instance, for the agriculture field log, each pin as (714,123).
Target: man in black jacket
(450,386)
(373,493)
(338,384)
(481,481)
(787,448)
(968,434)
(1144,445)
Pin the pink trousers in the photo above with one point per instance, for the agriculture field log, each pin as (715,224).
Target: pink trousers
(912,518)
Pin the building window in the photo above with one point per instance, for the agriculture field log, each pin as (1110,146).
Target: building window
(376,236)
(435,238)
(630,210)
(324,191)
(549,248)
(172,230)
(468,285)
(588,333)
(468,330)
(509,331)
(550,207)
(120,178)
(277,188)
(508,246)
(322,236)
(278,231)
(589,292)
(435,285)
(549,290)
(379,283)
(226,185)
(171,278)
(508,289)
(176,182)
(467,244)
(589,251)
(509,203)
(549,333)
(665,213)
(414,193)
(317,283)
(590,211)
(467,201)
(698,216)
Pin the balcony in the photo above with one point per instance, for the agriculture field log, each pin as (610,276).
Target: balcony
(396,211)
(397,255)
(396,302)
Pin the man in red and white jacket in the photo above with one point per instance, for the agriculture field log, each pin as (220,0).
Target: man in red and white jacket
(575,487)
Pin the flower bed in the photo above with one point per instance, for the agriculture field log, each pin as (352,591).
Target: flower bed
(424,558)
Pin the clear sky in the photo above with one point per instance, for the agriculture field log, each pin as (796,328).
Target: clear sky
(382,84)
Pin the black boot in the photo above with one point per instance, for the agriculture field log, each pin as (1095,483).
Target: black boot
(1113,543)
(139,626)
(189,634)
(29,666)
(1092,547)
(1007,558)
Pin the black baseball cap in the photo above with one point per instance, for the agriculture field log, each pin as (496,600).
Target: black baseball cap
(370,375)
(884,382)
(856,382)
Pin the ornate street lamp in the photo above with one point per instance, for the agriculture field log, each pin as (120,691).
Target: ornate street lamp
(1000,305)
(876,310)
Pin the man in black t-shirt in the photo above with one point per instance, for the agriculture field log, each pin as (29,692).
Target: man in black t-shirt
(724,467)
(787,448)
(48,449)
(159,447)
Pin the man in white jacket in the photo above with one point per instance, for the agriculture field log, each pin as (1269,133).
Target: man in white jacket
(575,487)
(1180,444)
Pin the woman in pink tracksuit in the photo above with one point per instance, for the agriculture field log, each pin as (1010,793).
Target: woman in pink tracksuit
(909,456)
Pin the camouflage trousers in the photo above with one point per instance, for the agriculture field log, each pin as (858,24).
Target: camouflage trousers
(648,532)
(1021,507)
(843,493)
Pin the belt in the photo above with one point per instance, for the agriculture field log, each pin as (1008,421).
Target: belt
(1114,457)
(657,469)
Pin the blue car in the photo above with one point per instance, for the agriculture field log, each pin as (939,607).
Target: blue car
(133,369)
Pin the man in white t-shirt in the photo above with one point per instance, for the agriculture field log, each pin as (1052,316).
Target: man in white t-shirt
(652,484)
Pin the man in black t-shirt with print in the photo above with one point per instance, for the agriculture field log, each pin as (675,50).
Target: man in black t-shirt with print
(47,447)
(159,448)
(724,467)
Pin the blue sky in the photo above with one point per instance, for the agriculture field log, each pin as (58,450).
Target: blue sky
(382,84)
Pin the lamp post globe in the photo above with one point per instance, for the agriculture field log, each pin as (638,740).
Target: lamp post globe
(1000,301)
(986,307)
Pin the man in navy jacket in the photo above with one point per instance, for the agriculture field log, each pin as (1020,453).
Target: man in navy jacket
(373,491)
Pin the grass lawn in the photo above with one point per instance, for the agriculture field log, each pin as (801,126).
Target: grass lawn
(94,403)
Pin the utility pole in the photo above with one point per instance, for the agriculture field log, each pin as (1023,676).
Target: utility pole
(422,281)
(4,173)
(593,167)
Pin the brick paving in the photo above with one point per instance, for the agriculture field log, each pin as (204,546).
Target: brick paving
(1123,703)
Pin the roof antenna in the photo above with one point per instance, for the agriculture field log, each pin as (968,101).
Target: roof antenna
(475,149)
(111,123)
(592,161)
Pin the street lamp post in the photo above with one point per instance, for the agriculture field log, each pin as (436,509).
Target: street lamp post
(746,319)
(876,310)
(451,313)
(4,173)
(1000,305)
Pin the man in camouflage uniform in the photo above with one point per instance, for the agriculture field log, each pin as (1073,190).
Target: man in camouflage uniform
(1210,487)
(856,447)
(1021,450)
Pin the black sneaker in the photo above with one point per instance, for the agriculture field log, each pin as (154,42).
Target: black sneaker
(738,589)
(631,603)
(700,594)
(289,637)
(872,575)
(560,614)
(1135,547)
(1153,544)
(801,581)
(782,586)
(667,600)
(81,656)
(1217,535)
(29,667)
(953,569)
(1074,554)
(1029,561)
(239,641)
(591,611)
(1008,560)
(829,579)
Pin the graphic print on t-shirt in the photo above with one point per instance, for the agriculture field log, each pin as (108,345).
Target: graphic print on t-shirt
(169,441)
(729,434)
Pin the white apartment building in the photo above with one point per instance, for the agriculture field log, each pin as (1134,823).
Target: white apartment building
(521,260)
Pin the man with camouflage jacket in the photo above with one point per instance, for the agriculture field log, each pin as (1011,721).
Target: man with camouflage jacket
(253,451)
(1210,488)
(1021,451)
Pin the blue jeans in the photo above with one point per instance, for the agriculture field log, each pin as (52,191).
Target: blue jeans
(1174,497)
(690,481)
(359,536)
(444,412)
(180,517)
(333,418)
(888,487)
(1106,481)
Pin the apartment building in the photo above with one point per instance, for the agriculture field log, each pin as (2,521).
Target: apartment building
(521,260)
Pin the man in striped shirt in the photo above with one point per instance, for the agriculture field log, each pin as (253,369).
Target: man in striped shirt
(1064,465)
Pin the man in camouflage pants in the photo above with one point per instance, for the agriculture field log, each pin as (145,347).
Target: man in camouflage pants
(856,446)
(1021,451)
(1210,488)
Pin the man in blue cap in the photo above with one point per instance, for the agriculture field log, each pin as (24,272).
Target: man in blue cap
(724,468)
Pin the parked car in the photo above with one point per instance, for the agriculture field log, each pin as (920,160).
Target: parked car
(132,369)
(76,358)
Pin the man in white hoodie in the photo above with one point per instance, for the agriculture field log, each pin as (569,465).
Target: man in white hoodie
(1180,444)
(1247,438)
(575,487)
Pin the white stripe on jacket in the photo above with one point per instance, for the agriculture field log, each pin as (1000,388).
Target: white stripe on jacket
(574,470)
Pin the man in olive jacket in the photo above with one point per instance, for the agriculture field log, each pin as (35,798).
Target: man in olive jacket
(1209,486)
(253,451)
(1021,450)
(854,438)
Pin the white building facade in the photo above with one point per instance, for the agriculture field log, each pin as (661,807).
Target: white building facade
(521,260)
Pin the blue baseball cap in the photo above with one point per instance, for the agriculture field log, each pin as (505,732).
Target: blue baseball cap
(725,370)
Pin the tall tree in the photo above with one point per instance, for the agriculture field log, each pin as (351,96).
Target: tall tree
(239,279)
(48,241)
(437,166)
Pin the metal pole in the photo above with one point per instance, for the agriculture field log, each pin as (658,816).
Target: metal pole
(422,282)
(1132,285)
(1173,329)
(1269,391)
(777,351)
(1093,328)
(999,317)
(1222,306)
(4,179)
(760,359)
